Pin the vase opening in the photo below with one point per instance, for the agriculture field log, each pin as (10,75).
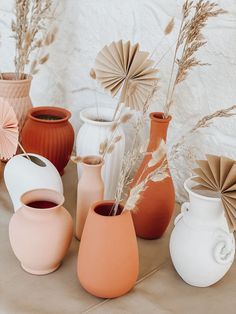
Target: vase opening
(41,204)
(35,160)
(92,160)
(12,77)
(49,114)
(108,210)
(191,187)
(45,199)
(159,117)
(102,116)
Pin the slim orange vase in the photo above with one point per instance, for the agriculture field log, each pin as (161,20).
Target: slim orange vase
(156,205)
(108,260)
(90,190)
(16,94)
(48,132)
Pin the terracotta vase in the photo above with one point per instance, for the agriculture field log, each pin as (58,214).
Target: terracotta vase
(48,132)
(108,260)
(41,231)
(16,94)
(156,205)
(90,190)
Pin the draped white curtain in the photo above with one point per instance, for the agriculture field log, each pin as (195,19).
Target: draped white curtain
(85,26)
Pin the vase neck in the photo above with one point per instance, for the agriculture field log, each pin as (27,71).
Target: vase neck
(91,172)
(11,88)
(205,209)
(158,130)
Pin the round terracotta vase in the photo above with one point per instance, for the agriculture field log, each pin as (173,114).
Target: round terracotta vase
(48,132)
(156,205)
(16,94)
(108,260)
(41,231)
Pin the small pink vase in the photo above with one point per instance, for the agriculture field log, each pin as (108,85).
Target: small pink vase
(16,94)
(41,231)
(90,190)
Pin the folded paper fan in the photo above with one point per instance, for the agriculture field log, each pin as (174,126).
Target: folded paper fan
(121,66)
(8,132)
(219,174)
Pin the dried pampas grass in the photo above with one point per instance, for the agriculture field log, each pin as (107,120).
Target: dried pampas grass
(30,32)
(195,15)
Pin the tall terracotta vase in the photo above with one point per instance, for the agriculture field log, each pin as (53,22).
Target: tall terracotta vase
(41,231)
(90,190)
(156,204)
(16,93)
(108,261)
(48,132)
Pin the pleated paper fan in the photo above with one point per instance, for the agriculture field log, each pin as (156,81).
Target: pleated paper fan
(218,174)
(8,132)
(121,66)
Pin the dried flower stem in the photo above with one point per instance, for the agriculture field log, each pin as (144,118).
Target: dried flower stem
(202,123)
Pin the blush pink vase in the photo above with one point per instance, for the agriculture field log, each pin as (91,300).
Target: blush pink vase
(90,190)
(41,231)
(16,94)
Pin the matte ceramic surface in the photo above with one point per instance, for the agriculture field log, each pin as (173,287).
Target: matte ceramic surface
(16,94)
(52,139)
(201,247)
(90,190)
(22,175)
(40,237)
(91,135)
(156,205)
(108,261)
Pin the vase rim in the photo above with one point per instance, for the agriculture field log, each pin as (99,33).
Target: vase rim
(13,81)
(84,116)
(59,203)
(107,202)
(159,117)
(49,110)
(101,161)
(189,183)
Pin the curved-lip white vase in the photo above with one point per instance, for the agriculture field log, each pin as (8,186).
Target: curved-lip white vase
(201,247)
(22,175)
(91,135)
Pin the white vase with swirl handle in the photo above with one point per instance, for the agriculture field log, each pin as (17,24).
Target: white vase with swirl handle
(202,248)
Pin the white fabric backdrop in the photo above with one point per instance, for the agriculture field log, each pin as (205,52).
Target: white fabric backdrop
(85,26)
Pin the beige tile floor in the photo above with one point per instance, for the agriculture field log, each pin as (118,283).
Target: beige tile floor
(159,289)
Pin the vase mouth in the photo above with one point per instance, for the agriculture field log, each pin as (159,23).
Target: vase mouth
(9,77)
(93,161)
(212,196)
(101,116)
(159,117)
(53,197)
(49,114)
(104,209)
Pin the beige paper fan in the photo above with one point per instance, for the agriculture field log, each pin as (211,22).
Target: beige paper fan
(8,132)
(219,174)
(121,66)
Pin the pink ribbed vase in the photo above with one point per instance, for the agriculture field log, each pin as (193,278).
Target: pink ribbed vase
(48,132)
(16,94)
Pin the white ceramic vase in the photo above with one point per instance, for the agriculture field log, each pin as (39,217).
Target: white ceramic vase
(92,133)
(201,247)
(22,175)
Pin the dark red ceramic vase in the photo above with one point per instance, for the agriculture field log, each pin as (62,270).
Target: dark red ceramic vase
(156,205)
(48,132)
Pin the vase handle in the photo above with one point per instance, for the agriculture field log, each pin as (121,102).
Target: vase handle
(224,249)
(184,208)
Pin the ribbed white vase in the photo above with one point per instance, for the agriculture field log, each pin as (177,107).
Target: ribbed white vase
(95,130)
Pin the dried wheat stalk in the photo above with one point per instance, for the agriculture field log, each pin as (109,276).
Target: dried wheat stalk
(29,31)
(202,123)
(190,40)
